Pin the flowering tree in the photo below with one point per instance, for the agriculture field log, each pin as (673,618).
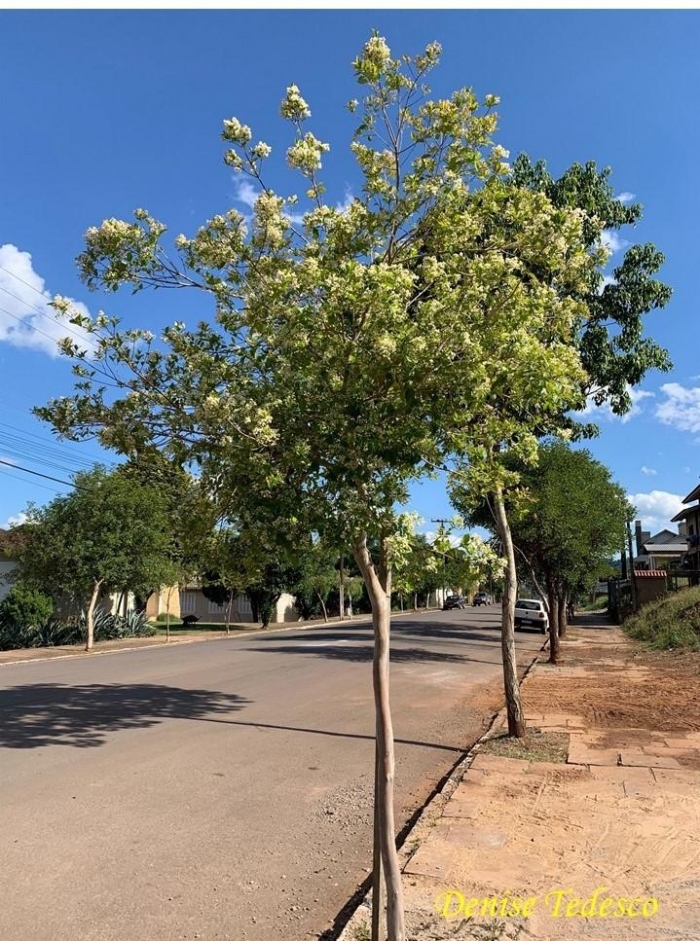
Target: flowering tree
(348,350)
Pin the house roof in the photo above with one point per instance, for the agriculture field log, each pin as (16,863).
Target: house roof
(664,536)
(684,514)
(661,548)
(693,495)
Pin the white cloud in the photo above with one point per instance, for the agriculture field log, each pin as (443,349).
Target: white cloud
(625,197)
(649,471)
(605,413)
(26,319)
(245,192)
(14,521)
(612,240)
(453,539)
(681,407)
(656,509)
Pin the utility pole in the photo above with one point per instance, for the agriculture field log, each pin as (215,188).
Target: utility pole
(633,584)
(442,521)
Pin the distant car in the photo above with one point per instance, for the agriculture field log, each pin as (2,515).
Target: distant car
(454,601)
(531,612)
(481,598)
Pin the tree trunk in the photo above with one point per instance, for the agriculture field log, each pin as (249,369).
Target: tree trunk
(562,624)
(228,612)
(379,589)
(538,588)
(341,588)
(516,720)
(415,600)
(401,599)
(553,627)
(323,607)
(90,617)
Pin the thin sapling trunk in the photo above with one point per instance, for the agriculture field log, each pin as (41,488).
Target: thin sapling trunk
(516,721)
(379,590)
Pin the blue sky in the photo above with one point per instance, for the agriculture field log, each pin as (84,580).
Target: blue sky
(104,112)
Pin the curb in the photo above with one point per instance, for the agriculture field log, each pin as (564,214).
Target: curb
(296,626)
(433,807)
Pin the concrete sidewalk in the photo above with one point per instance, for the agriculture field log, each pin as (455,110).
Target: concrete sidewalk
(618,814)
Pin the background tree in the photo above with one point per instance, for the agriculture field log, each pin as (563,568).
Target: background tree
(110,534)
(566,517)
(347,355)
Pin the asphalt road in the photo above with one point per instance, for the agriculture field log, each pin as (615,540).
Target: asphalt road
(222,790)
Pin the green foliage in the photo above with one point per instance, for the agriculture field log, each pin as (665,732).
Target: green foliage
(668,623)
(110,531)
(348,353)
(25,607)
(53,632)
(162,618)
(614,352)
(567,516)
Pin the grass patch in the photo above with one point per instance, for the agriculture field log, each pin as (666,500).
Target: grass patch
(536,746)
(669,623)
(600,604)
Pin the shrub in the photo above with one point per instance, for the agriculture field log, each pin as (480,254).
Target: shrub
(25,607)
(54,633)
(163,618)
(671,622)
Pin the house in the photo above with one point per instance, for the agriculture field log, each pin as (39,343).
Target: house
(191,600)
(662,551)
(689,519)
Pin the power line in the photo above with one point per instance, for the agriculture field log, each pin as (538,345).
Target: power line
(42,313)
(36,473)
(32,483)
(26,323)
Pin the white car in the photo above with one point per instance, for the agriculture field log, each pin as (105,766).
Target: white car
(530,612)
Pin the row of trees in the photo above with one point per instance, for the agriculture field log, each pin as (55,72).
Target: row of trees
(451,316)
(122,533)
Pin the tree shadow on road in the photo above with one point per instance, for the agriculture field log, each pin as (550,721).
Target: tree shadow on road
(41,714)
(354,654)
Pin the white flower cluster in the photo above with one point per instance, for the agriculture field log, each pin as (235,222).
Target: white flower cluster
(377,51)
(261,150)
(305,154)
(236,132)
(491,101)
(293,106)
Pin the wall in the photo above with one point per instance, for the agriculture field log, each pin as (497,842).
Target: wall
(649,588)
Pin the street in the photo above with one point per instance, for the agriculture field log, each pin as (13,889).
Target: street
(222,790)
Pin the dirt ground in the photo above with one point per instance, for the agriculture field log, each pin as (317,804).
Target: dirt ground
(616,812)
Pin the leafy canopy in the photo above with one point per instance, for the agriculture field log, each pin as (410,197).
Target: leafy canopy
(109,529)
(349,350)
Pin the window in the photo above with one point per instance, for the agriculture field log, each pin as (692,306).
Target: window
(529,605)
(187,602)
(215,608)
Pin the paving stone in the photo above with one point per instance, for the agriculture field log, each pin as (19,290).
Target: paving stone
(637,758)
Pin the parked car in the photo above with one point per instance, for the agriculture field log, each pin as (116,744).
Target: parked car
(454,601)
(531,612)
(481,598)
